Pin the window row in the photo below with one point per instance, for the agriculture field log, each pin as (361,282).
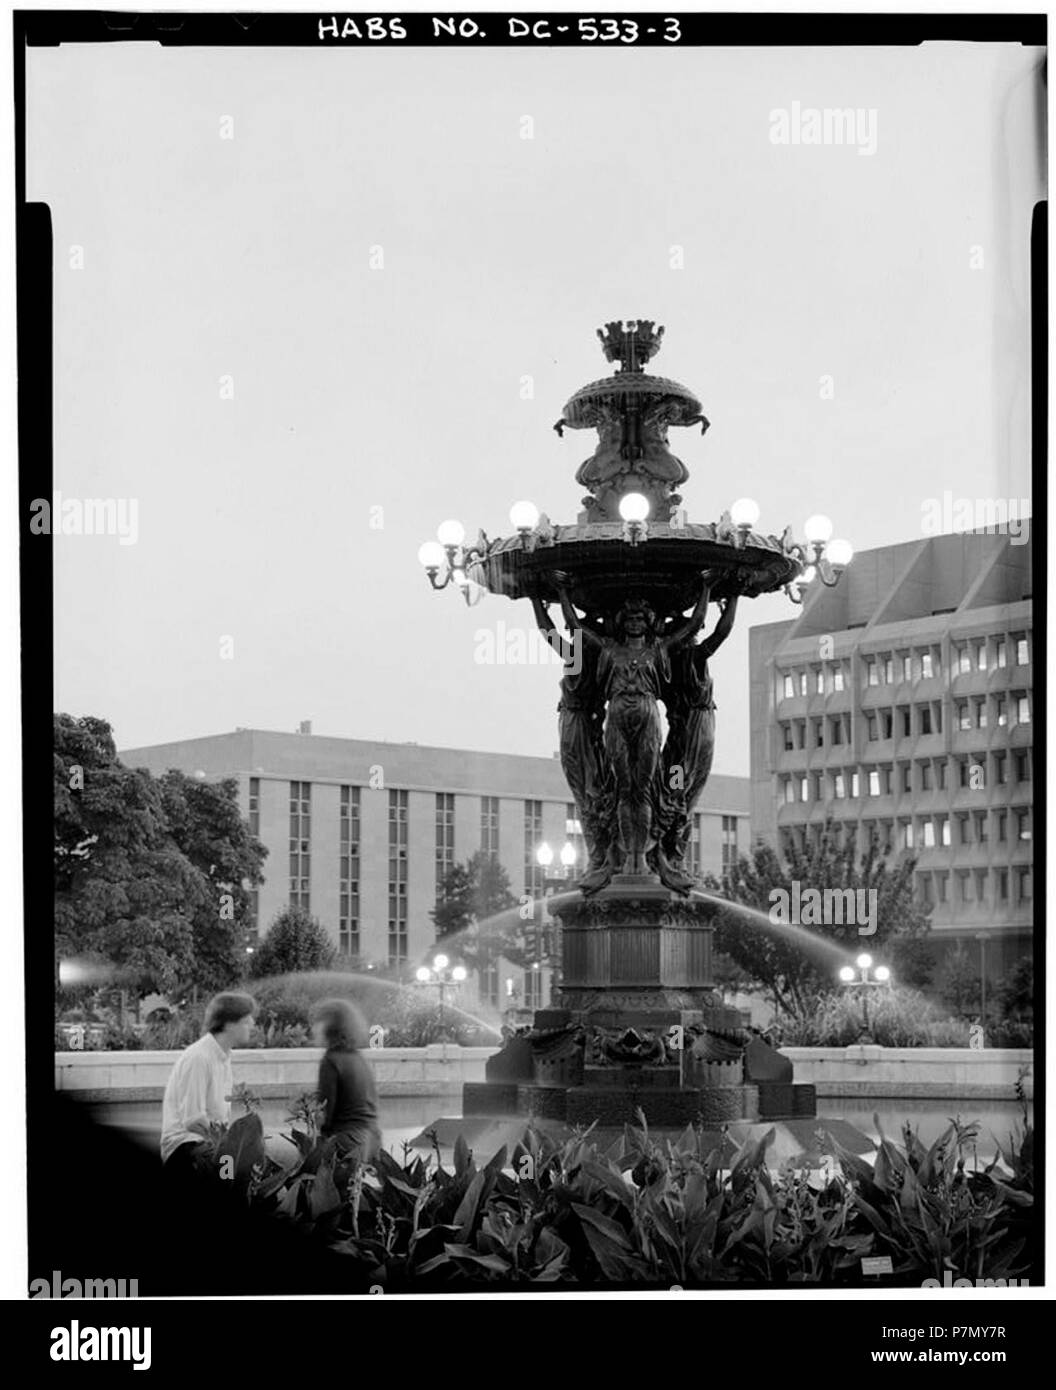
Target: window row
(900,779)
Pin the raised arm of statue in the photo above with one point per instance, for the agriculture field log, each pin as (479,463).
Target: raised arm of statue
(552,635)
(572,618)
(691,625)
(721,630)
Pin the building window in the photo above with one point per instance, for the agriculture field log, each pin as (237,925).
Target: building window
(887,723)
(804,789)
(1022,651)
(837,678)
(1022,824)
(855,790)
(786,733)
(872,727)
(489,986)
(790,790)
(941,884)
(982,828)
(980,656)
(924,717)
(1025,886)
(964,828)
(837,786)
(398,948)
(964,715)
(1002,827)
(837,731)
(254,805)
(927,666)
(1000,769)
(889,670)
(928,829)
(964,660)
(980,713)
(907,722)
(790,688)
(729,842)
(925,889)
(944,830)
(874,782)
(445,837)
(1002,885)
(925,777)
(1023,767)
(819,733)
(574,831)
(348,872)
(906,834)
(300,843)
(940,774)
(1001,652)
(907,668)
(1022,709)
(696,864)
(489,825)
(872,673)
(907,777)
(533,838)
(533,989)
(1002,711)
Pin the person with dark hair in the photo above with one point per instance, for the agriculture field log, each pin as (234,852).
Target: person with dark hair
(346,1079)
(199,1089)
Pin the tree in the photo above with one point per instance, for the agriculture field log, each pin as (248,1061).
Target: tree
(295,941)
(473,911)
(124,893)
(206,824)
(959,982)
(796,964)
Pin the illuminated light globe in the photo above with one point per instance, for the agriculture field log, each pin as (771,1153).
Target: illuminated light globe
(568,854)
(451,533)
(459,973)
(634,507)
(440,962)
(745,512)
(544,855)
(864,961)
(840,553)
(431,555)
(460,578)
(422,974)
(524,516)
(883,974)
(809,575)
(847,974)
(817,529)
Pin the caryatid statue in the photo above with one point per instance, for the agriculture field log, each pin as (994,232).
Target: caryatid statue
(690,743)
(634,665)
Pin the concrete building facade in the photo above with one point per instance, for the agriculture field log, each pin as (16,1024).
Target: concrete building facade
(900,704)
(362,833)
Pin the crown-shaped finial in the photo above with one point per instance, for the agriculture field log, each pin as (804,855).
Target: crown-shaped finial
(631,344)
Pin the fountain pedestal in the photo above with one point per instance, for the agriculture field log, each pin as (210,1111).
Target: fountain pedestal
(638,1026)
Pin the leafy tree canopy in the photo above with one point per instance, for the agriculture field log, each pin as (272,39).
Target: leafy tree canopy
(295,942)
(473,907)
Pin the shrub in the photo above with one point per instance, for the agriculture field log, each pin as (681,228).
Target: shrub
(897,1018)
(295,941)
(638,1212)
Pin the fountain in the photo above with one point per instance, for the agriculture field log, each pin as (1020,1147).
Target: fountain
(636,1024)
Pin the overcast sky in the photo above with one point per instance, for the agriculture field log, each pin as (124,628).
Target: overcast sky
(401,387)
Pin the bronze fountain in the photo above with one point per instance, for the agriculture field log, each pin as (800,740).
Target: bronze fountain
(636,1023)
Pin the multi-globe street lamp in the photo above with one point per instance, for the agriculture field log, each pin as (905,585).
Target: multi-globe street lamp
(555,879)
(441,976)
(866,977)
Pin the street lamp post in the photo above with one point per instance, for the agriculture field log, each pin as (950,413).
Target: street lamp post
(865,978)
(441,976)
(554,881)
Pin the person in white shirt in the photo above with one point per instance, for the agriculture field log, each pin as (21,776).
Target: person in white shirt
(199,1090)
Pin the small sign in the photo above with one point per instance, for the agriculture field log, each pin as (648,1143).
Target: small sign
(877,1264)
